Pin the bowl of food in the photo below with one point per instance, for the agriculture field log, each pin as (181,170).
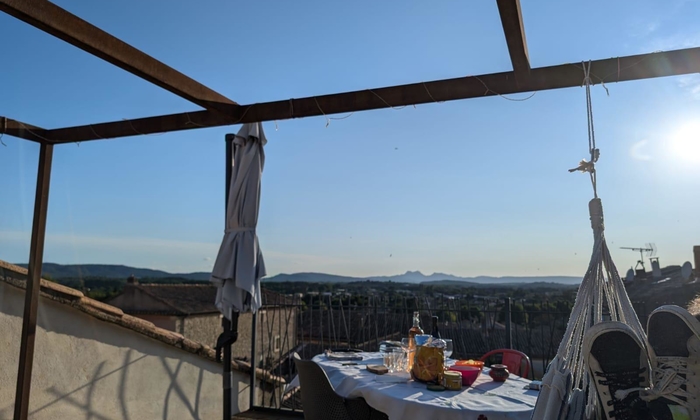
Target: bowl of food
(474,363)
(469,373)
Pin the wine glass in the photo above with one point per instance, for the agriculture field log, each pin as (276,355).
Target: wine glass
(449,347)
(408,362)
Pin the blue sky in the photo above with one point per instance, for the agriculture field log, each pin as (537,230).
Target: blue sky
(471,187)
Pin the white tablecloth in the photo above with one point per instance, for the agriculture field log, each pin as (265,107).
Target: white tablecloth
(411,400)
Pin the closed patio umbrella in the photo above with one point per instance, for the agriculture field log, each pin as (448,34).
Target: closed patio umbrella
(239,265)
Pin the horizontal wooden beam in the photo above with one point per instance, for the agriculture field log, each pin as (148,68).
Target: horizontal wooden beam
(140,126)
(512,22)
(636,67)
(58,22)
(21,130)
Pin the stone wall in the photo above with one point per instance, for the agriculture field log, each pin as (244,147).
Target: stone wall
(203,329)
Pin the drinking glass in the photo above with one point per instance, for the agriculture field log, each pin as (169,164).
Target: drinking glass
(397,359)
(387,355)
(448,348)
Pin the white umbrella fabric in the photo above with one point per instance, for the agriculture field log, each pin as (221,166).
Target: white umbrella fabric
(239,265)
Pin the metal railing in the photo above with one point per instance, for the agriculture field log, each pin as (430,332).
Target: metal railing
(312,323)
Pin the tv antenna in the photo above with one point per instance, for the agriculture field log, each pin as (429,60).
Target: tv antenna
(649,249)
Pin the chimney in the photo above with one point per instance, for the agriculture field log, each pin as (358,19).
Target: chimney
(132,280)
(696,251)
(655,268)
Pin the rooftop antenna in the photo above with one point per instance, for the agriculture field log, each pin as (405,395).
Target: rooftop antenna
(650,250)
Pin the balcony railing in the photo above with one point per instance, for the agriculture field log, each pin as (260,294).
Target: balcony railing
(314,322)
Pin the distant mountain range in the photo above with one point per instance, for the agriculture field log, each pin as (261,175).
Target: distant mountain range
(59,271)
(418,277)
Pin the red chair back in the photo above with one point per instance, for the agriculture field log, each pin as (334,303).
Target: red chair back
(513,359)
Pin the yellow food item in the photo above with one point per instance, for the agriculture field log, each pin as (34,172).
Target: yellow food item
(428,364)
(476,363)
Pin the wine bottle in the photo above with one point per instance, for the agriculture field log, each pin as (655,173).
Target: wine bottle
(415,329)
(436,332)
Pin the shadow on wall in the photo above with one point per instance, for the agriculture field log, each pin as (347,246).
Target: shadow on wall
(92,411)
(101,384)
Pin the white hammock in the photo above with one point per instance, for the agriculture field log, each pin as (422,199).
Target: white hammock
(566,390)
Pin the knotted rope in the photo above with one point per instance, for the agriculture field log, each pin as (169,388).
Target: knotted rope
(584,165)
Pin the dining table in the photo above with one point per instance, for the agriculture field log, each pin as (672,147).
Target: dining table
(402,398)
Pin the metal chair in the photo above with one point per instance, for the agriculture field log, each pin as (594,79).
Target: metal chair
(513,359)
(320,401)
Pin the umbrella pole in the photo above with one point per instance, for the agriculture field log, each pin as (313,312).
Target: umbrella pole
(228,325)
(227,373)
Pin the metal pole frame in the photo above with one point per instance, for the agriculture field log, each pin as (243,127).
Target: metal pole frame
(509,324)
(33,283)
(253,358)
(230,327)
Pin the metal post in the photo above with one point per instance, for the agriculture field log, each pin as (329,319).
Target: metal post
(509,331)
(33,283)
(227,324)
(253,359)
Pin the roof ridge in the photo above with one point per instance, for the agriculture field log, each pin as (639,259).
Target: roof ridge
(161,300)
(207,284)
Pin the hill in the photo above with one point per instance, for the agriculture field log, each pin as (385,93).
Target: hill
(416,277)
(107,271)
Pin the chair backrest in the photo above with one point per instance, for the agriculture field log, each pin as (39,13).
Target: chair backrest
(318,398)
(513,359)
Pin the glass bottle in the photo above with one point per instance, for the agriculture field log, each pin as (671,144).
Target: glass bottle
(415,329)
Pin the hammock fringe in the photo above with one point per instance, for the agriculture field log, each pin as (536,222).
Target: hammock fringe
(602,294)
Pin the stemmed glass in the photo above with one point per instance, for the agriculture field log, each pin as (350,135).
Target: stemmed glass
(449,347)
(409,353)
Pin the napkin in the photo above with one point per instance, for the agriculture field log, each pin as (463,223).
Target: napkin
(394,378)
(341,355)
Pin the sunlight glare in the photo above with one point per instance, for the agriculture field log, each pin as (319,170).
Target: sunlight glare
(685,142)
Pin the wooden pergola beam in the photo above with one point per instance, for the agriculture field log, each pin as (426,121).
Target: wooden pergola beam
(21,130)
(58,22)
(140,126)
(512,22)
(636,67)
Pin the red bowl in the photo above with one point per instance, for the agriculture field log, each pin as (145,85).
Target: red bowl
(469,373)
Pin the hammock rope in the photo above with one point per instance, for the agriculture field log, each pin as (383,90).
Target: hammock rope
(566,386)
